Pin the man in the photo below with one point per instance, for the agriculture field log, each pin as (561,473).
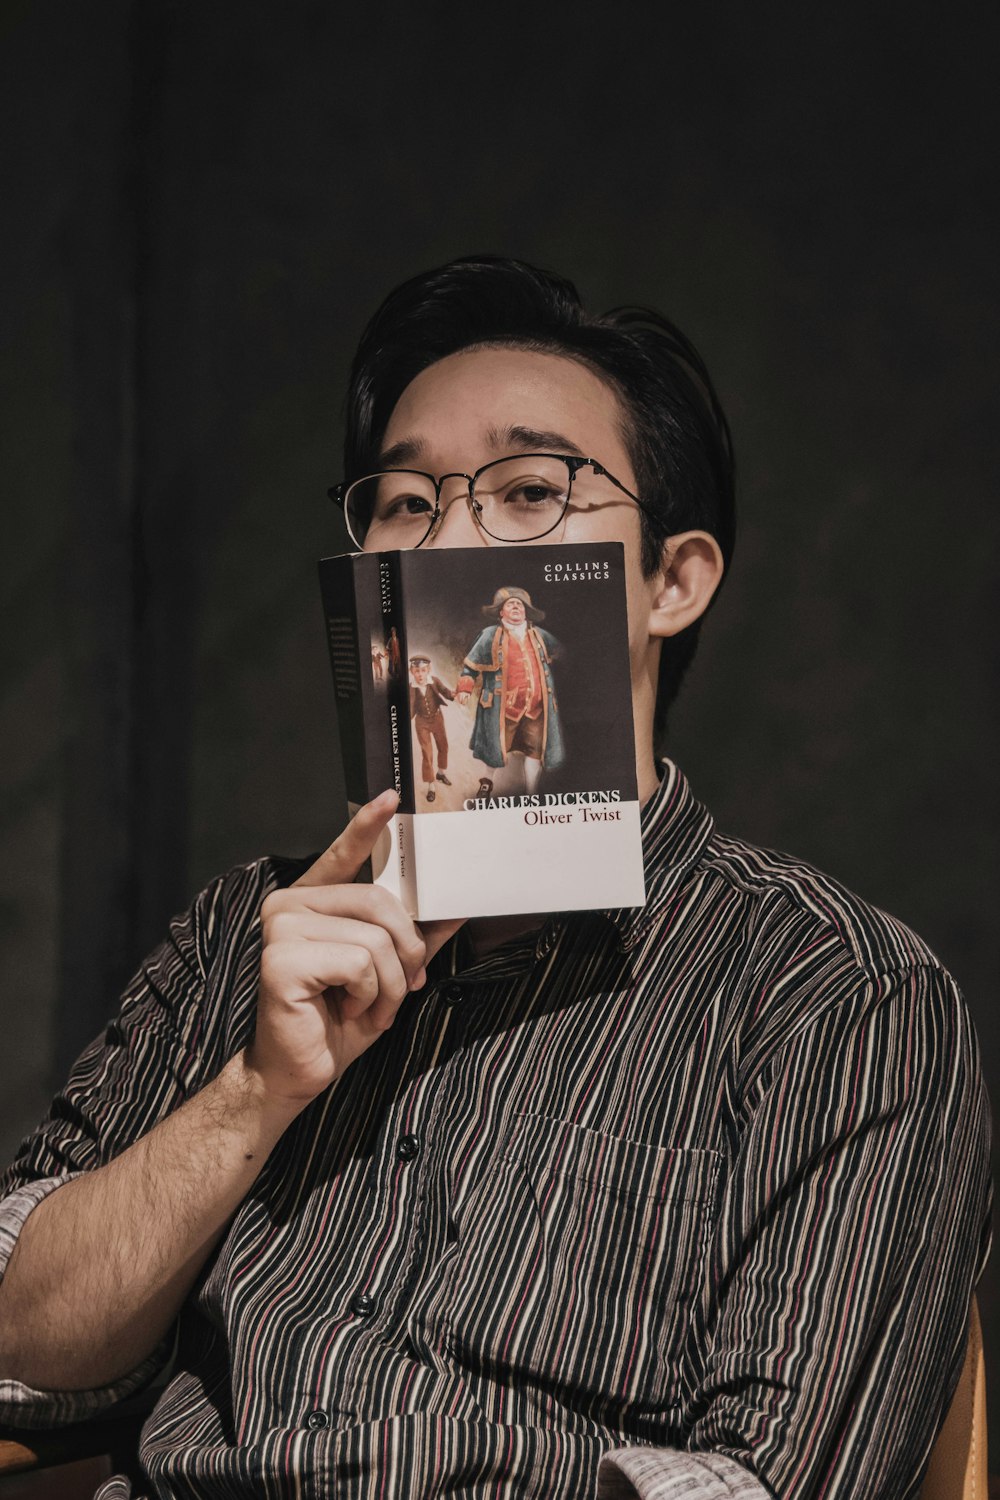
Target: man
(685,1199)
(509,666)
(428,695)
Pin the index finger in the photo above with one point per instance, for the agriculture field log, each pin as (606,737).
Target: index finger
(340,863)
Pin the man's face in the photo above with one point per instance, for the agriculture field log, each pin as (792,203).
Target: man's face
(513,612)
(463,412)
(483,404)
(420,674)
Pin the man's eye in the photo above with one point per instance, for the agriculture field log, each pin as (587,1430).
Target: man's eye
(533,494)
(404,505)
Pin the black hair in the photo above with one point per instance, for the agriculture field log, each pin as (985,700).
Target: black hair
(675,431)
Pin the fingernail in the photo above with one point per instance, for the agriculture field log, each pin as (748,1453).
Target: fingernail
(419,979)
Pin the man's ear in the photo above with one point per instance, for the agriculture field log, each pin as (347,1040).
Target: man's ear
(690,572)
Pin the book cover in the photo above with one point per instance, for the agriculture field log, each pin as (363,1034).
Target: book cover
(491,687)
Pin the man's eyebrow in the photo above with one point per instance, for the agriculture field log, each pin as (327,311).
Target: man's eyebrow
(400,455)
(410,450)
(531,440)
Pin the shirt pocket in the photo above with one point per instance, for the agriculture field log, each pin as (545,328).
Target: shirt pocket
(579,1255)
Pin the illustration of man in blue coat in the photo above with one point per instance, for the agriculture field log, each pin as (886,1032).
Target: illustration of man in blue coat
(509,667)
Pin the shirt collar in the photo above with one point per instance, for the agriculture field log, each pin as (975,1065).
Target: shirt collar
(676,829)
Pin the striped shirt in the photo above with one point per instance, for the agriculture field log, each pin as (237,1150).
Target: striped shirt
(680,1199)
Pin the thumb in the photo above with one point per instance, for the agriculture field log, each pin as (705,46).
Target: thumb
(339,864)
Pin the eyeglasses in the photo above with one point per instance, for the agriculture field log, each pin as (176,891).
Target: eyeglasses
(516,499)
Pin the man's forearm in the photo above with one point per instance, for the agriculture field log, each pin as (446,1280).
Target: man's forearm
(103,1264)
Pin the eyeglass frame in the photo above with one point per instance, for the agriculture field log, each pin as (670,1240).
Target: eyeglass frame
(338,493)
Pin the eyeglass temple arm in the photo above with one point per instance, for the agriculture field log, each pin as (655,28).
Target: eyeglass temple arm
(581,463)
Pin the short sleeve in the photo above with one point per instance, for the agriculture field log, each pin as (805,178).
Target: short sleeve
(671,1474)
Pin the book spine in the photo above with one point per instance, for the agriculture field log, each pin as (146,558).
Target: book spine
(402,880)
(351,669)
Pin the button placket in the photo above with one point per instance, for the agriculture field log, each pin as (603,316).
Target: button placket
(409,1146)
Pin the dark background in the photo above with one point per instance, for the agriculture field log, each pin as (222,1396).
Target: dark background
(200,205)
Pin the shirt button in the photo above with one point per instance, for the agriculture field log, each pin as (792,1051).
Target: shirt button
(408,1147)
(451,994)
(317,1419)
(362,1305)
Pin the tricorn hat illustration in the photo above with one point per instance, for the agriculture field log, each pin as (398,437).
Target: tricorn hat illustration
(500,599)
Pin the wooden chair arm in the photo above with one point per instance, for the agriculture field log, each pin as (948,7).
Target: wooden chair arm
(958,1464)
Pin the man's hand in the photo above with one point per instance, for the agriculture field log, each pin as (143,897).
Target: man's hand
(462,698)
(337,963)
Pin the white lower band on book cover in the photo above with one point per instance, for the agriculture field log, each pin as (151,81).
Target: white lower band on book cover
(504,860)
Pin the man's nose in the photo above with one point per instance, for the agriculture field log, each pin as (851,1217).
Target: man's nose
(456,525)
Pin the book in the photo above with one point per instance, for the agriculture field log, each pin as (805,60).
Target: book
(490,687)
